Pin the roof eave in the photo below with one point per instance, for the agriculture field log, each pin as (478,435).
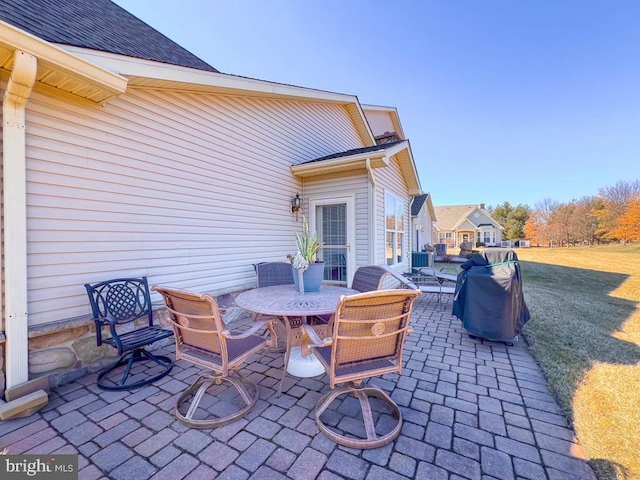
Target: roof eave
(60,69)
(334,165)
(403,154)
(432,210)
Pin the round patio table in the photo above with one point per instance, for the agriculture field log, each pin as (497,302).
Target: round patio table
(292,308)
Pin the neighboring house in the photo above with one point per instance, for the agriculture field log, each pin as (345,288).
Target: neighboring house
(125,155)
(466,223)
(423,216)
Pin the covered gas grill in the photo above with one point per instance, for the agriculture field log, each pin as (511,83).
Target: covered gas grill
(488,298)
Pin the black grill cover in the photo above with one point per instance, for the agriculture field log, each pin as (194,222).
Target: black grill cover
(488,297)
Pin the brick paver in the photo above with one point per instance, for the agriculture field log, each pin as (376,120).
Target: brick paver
(472,409)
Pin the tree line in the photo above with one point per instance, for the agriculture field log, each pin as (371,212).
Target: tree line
(611,216)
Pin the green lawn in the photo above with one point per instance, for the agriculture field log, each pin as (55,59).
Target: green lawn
(585,334)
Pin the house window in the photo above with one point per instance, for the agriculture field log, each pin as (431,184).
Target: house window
(445,237)
(394,229)
(486,236)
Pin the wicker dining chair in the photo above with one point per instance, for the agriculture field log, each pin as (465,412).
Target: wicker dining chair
(273,273)
(368,335)
(269,274)
(118,304)
(202,339)
(366,279)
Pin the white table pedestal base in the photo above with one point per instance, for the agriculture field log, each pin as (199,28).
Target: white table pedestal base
(304,367)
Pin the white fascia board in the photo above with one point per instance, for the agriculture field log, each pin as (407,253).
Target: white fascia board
(370,139)
(405,145)
(52,56)
(397,148)
(135,67)
(366,106)
(432,210)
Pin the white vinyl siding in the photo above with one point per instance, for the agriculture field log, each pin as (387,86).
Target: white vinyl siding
(380,122)
(188,189)
(390,180)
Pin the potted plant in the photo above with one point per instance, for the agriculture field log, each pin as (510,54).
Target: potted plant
(303,262)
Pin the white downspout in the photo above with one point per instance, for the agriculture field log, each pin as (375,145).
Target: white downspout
(23,76)
(411,229)
(372,210)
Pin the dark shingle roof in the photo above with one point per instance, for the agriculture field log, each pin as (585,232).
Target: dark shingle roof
(97,25)
(417,204)
(355,151)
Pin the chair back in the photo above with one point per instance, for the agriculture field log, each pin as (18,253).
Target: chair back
(197,323)
(122,299)
(274,273)
(368,334)
(368,278)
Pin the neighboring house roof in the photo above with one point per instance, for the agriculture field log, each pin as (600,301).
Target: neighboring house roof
(420,202)
(98,25)
(417,204)
(450,217)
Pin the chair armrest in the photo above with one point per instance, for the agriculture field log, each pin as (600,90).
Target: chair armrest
(404,281)
(256,326)
(112,322)
(311,334)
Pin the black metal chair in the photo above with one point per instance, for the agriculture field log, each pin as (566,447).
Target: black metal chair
(118,303)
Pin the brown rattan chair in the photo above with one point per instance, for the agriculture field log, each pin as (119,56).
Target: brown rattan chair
(269,274)
(368,332)
(202,338)
(366,279)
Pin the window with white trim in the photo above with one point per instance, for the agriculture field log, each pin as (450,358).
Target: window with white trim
(445,237)
(394,209)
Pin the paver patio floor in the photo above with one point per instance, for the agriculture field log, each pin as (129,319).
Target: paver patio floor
(472,410)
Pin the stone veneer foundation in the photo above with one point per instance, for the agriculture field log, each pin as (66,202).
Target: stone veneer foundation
(66,350)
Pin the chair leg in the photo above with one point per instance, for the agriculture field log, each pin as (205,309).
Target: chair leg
(373,440)
(199,388)
(129,359)
(287,355)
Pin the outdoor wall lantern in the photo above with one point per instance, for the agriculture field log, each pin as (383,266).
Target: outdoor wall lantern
(296,203)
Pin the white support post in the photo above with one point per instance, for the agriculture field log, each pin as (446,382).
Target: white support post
(14,102)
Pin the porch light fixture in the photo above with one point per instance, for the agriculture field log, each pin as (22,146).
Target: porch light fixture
(296,203)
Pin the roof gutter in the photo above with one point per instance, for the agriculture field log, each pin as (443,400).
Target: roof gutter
(16,95)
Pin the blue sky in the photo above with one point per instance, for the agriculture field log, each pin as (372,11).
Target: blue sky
(502,100)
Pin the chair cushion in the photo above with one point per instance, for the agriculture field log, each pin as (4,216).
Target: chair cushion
(324,354)
(236,348)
